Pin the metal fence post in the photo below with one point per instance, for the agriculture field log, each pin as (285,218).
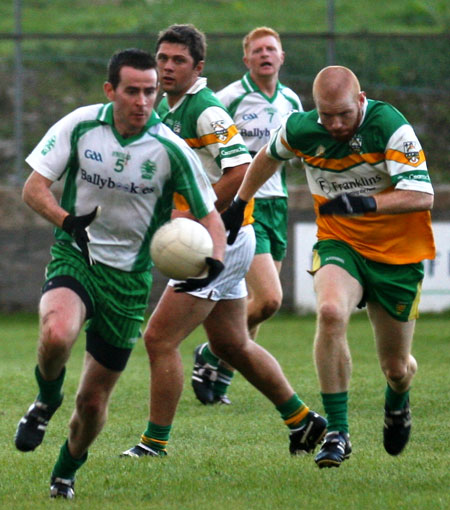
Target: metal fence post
(18,94)
(331,45)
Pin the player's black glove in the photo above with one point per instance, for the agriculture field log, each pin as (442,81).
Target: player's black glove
(233,217)
(347,204)
(76,227)
(191,284)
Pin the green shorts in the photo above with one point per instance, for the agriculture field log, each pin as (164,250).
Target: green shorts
(116,300)
(396,287)
(271,221)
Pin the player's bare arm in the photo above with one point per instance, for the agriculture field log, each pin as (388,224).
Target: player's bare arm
(37,195)
(213,223)
(228,185)
(403,201)
(391,202)
(260,170)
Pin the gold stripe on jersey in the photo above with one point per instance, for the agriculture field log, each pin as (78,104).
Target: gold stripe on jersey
(342,164)
(400,157)
(212,138)
(338,165)
(405,239)
(182,205)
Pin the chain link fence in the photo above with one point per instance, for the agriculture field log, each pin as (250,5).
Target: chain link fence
(61,72)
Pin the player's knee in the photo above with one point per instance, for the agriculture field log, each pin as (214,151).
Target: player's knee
(396,371)
(156,344)
(330,313)
(57,336)
(90,404)
(151,342)
(270,307)
(264,309)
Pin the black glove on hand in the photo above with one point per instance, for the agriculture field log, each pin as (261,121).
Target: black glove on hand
(347,204)
(215,268)
(76,227)
(233,217)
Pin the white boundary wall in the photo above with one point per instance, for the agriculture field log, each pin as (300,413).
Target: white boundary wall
(436,285)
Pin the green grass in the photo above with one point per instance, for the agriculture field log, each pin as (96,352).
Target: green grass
(236,456)
(227,15)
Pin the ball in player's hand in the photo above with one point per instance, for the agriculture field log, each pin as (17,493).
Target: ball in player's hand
(179,248)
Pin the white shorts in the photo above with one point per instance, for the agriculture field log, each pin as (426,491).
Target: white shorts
(230,284)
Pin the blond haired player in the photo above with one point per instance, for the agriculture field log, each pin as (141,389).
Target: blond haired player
(372,195)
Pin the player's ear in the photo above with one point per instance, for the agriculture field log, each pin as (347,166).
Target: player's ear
(199,67)
(108,90)
(361,98)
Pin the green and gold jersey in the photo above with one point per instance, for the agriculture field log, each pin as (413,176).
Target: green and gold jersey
(132,179)
(383,154)
(206,126)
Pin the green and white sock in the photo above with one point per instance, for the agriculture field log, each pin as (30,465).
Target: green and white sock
(209,357)
(223,381)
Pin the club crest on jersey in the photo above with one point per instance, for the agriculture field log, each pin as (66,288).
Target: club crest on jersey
(220,131)
(176,128)
(148,168)
(320,151)
(356,143)
(411,152)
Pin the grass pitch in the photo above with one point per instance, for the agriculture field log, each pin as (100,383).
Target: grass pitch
(235,456)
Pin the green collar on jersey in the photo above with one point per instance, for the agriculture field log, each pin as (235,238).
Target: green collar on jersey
(105,115)
(250,86)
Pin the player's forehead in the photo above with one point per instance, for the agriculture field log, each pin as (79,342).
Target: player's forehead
(132,77)
(262,41)
(173,49)
(336,103)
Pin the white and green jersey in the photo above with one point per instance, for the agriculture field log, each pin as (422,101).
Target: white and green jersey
(206,126)
(256,115)
(132,179)
(383,154)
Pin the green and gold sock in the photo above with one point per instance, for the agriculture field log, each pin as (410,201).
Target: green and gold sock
(336,408)
(294,412)
(156,437)
(50,391)
(66,466)
(395,401)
